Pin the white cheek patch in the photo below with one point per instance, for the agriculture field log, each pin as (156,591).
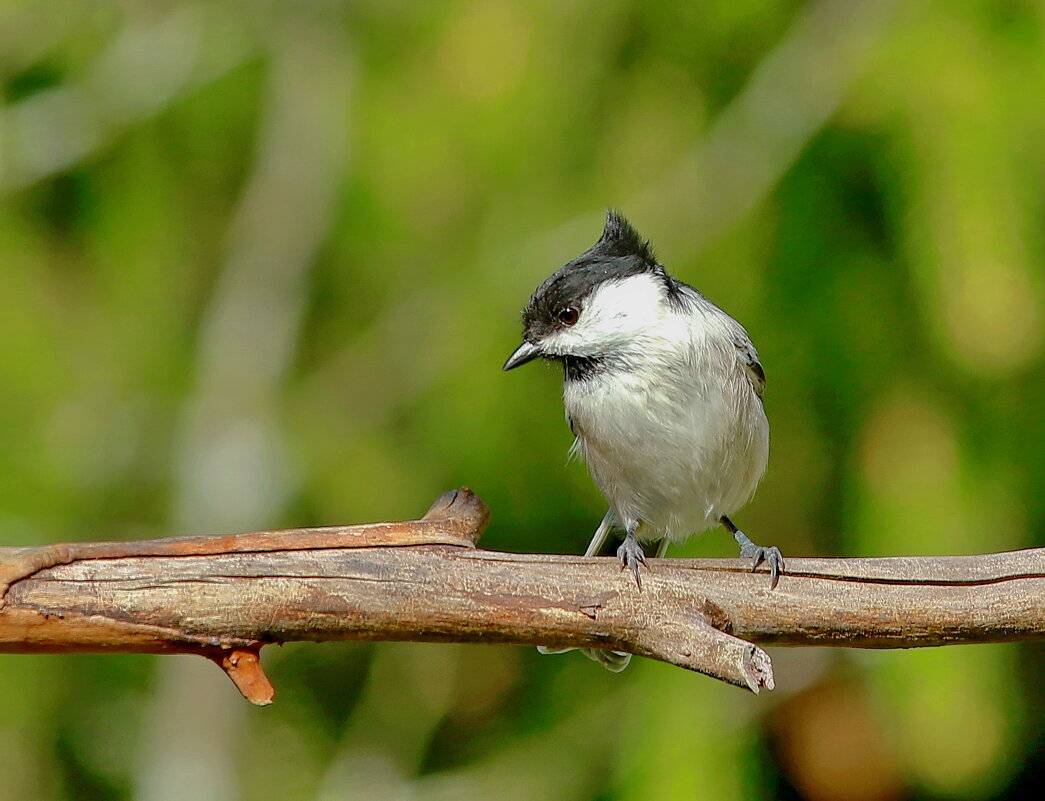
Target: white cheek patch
(611,316)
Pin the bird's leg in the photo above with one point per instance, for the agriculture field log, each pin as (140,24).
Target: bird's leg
(759,554)
(631,556)
(615,661)
(602,533)
(630,552)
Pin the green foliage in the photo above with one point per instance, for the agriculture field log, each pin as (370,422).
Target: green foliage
(260,266)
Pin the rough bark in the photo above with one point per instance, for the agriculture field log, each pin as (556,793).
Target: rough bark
(225,597)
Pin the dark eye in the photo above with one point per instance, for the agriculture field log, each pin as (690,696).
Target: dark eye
(569,315)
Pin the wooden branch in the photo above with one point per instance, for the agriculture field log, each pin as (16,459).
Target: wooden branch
(226,597)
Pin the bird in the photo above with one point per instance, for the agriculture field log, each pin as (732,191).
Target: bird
(663,392)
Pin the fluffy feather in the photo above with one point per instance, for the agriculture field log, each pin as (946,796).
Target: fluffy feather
(672,429)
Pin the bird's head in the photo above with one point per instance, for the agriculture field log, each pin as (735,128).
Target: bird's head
(594,309)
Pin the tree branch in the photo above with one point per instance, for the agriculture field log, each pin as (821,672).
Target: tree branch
(225,597)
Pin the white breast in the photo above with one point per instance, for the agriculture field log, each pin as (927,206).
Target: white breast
(675,435)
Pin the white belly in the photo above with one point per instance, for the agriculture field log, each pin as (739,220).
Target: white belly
(674,456)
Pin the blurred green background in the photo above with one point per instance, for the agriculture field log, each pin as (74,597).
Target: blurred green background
(260,264)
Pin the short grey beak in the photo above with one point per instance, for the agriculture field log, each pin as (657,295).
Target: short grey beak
(526,352)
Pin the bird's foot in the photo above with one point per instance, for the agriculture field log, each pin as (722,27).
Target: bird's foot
(614,661)
(758,554)
(632,557)
(548,651)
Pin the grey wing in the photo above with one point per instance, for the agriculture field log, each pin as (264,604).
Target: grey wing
(748,357)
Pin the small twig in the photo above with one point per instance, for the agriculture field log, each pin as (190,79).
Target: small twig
(226,597)
(243,666)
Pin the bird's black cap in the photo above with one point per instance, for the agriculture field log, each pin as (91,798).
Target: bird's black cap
(619,253)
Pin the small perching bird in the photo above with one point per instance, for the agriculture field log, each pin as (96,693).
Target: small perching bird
(663,392)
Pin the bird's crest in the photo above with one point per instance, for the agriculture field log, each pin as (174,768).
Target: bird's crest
(621,239)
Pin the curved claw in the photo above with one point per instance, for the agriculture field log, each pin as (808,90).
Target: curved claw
(632,557)
(614,661)
(771,556)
